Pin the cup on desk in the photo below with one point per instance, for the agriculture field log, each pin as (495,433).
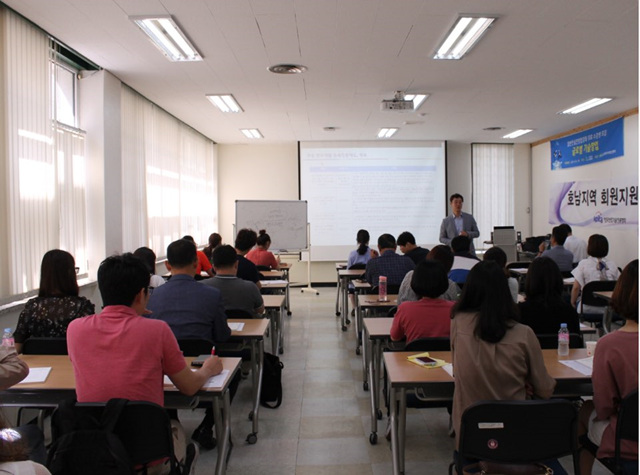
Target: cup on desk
(591,347)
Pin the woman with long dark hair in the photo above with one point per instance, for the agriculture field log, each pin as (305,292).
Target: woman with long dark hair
(58,301)
(359,258)
(544,308)
(214,241)
(494,356)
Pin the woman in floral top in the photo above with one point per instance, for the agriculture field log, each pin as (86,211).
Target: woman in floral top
(57,303)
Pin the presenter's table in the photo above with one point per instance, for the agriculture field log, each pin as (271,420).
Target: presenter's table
(60,384)
(438,384)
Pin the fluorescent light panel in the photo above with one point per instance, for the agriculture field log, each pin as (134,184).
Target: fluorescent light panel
(167,37)
(225,102)
(251,133)
(417,99)
(595,102)
(517,133)
(387,132)
(464,34)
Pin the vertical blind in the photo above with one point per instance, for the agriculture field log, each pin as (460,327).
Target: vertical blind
(492,169)
(169,175)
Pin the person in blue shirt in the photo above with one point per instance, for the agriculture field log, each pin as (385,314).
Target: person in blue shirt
(389,264)
(557,252)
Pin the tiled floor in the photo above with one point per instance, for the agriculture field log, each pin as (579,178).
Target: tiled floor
(323,424)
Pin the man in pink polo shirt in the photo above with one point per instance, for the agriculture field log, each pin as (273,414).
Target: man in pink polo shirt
(120,354)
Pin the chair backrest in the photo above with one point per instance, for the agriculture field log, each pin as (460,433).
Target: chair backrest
(588,298)
(519,431)
(392,289)
(144,428)
(392,312)
(518,265)
(45,346)
(194,346)
(358,266)
(429,344)
(266,268)
(549,341)
(627,425)
(238,313)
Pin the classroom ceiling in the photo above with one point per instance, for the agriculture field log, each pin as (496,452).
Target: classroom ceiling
(538,58)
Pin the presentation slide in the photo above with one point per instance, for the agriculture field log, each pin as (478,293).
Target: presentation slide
(380,187)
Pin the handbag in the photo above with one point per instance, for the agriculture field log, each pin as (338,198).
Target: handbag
(496,468)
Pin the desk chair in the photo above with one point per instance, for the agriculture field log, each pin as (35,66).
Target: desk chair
(549,341)
(263,268)
(518,432)
(144,428)
(626,429)
(42,346)
(588,298)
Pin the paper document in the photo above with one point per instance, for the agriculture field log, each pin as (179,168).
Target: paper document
(273,282)
(236,326)
(36,375)
(449,369)
(584,365)
(213,382)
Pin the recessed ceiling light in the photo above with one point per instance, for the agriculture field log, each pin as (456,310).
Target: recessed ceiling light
(287,69)
(225,102)
(462,36)
(167,37)
(517,133)
(387,132)
(330,129)
(417,99)
(251,133)
(596,101)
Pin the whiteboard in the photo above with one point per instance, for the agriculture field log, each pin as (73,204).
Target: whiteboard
(284,221)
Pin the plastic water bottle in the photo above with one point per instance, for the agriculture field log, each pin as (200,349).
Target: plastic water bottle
(382,288)
(7,338)
(563,340)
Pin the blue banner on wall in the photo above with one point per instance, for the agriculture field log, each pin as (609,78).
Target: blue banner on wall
(589,146)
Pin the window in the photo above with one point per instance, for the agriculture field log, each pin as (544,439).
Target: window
(492,170)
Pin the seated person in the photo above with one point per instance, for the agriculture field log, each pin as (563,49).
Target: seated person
(544,308)
(260,255)
(498,256)
(389,264)
(192,311)
(247,270)
(358,258)
(120,354)
(203,261)
(408,247)
(58,301)
(486,335)
(575,245)
(236,293)
(615,374)
(148,257)
(442,254)
(594,267)
(463,260)
(557,252)
(214,241)
(430,316)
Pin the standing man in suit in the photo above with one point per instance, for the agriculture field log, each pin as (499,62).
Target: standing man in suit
(458,223)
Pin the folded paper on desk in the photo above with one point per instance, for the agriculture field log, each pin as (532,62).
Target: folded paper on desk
(584,365)
(236,326)
(416,360)
(36,375)
(213,382)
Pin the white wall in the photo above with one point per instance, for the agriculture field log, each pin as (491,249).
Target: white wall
(623,244)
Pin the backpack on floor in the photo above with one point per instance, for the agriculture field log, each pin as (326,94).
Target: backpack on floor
(86,443)
(271,381)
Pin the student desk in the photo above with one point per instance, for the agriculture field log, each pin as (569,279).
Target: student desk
(339,266)
(60,384)
(346,275)
(285,268)
(366,304)
(438,384)
(279,285)
(520,273)
(274,306)
(253,332)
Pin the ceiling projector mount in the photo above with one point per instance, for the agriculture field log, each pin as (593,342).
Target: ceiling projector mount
(398,103)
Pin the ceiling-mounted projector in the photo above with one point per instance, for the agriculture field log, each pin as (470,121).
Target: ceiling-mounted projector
(398,103)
